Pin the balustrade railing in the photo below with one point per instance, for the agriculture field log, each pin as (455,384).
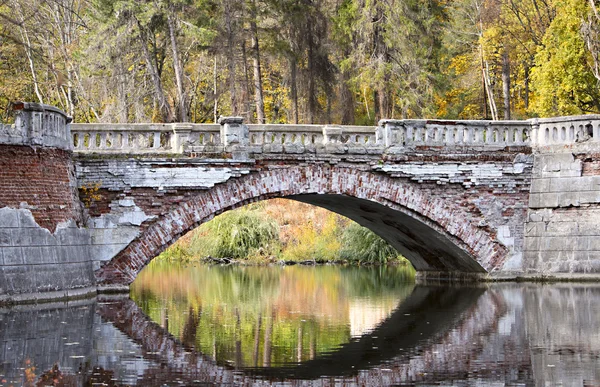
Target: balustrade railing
(310,137)
(389,135)
(566,130)
(455,133)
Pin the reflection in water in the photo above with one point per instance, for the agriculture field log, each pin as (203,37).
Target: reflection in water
(503,335)
(268,317)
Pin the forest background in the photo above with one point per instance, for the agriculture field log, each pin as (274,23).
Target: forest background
(348,62)
(301,61)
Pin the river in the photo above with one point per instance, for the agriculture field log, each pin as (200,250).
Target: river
(305,325)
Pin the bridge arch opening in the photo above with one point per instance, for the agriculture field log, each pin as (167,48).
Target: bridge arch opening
(435,236)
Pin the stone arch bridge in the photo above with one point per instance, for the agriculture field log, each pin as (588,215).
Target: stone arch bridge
(468,198)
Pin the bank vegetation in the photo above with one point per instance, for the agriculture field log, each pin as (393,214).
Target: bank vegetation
(285,232)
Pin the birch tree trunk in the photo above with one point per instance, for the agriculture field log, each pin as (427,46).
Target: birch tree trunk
(506,84)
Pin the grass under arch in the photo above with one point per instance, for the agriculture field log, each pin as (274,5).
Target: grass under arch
(282,229)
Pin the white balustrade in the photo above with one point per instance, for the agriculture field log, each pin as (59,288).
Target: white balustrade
(121,138)
(407,133)
(566,130)
(393,135)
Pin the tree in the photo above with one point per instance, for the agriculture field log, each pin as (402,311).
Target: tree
(563,80)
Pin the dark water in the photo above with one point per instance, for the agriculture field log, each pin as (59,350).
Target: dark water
(316,326)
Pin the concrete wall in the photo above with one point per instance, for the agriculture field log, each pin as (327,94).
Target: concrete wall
(562,233)
(36,263)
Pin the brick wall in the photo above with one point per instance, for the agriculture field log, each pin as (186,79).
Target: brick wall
(444,212)
(44,254)
(41,180)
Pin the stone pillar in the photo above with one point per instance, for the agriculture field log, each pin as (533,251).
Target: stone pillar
(38,125)
(181,136)
(233,131)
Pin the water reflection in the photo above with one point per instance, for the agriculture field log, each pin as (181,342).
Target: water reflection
(503,335)
(269,317)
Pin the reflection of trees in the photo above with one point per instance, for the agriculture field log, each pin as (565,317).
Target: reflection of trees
(257,316)
(428,338)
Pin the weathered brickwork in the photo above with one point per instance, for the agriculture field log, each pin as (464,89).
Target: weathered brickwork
(563,222)
(41,180)
(450,215)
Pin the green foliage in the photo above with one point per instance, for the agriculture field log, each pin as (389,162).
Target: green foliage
(236,234)
(362,245)
(282,229)
(563,80)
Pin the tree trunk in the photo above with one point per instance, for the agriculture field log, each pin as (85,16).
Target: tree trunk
(159,94)
(123,106)
(182,110)
(258,90)
(216,99)
(376,106)
(506,84)
(231,58)
(29,53)
(312,92)
(294,88)
(346,100)
(247,88)
(526,96)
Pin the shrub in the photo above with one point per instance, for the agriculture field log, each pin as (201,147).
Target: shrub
(359,244)
(234,234)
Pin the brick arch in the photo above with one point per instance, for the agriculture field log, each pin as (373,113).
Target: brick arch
(435,235)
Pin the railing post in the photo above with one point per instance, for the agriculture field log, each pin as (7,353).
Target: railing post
(387,131)
(181,136)
(332,135)
(233,131)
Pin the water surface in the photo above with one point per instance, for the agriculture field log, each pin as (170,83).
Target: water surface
(324,325)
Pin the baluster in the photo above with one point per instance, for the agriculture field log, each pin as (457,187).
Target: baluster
(102,136)
(571,134)
(451,134)
(125,140)
(92,141)
(478,135)
(156,140)
(459,138)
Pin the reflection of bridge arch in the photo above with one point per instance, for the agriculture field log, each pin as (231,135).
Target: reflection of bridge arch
(449,317)
(434,233)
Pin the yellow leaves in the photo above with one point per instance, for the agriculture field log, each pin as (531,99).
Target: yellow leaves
(90,193)
(461,63)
